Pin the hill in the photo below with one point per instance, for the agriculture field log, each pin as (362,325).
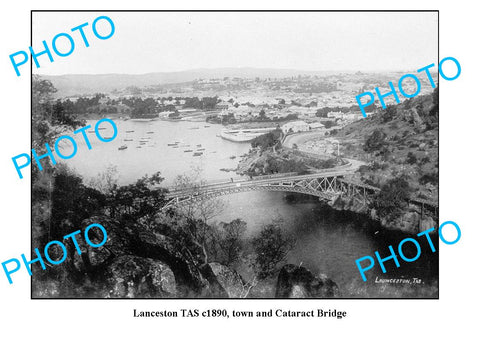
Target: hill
(82,84)
(400,145)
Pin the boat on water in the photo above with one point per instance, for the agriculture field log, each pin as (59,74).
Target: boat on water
(194,128)
(207,126)
(187,150)
(123,147)
(197,153)
(199,144)
(129,131)
(202,149)
(150,132)
(172,144)
(233,157)
(128,140)
(139,147)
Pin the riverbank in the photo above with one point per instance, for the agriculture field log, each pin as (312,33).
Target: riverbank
(399,148)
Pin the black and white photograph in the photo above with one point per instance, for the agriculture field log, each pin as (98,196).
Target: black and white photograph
(235,154)
(241,170)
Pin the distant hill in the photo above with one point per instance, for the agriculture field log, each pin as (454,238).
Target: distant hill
(79,84)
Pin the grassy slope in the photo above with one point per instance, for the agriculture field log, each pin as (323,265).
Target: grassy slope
(407,132)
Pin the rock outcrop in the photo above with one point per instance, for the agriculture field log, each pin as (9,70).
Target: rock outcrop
(229,280)
(138,277)
(129,261)
(410,221)
(298,282)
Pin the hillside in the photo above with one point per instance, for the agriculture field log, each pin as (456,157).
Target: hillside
(80,84)
(400,145)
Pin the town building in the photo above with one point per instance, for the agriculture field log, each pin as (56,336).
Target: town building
(316,126)
(295,126)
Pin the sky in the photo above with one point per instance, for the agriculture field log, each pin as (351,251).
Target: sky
(146,42)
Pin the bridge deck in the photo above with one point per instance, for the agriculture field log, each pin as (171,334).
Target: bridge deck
(281,182)
(174,192)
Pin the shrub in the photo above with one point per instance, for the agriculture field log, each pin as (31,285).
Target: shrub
(431,177)
(411,158)
(425,160)
(376,141)
(392,198)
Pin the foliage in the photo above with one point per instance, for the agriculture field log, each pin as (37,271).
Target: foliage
(140,200)
(262,115)
(376,141)
(282,165)
(106,181)
(322,163)
(230,241)
(196,215)
(271,247)
(323,112)
(328,124)
(392,198)
(432,119)
(72,202)
(389,113)
(49,118)
(411,158)
(228,119)
(431,177)
(267,140)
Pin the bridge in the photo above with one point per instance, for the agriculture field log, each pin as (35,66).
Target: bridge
(325,184)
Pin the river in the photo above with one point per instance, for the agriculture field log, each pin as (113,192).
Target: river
(328,241)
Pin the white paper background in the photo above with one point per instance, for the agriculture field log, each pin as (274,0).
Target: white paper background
(453,315)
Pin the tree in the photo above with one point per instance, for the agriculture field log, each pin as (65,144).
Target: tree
(139,202)
(262,115)
(230,240)
(390,113)
(209,103)
(376,141)
(432,119)
(49,120)
(328,124)
(392,198)
(72,201)
(106,181)
(411,158)
(271,247)
(267,140)
(196,213)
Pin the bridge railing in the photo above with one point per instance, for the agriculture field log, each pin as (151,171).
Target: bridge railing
(264,180)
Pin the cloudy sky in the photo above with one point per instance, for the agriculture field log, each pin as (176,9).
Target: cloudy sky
(313,41)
